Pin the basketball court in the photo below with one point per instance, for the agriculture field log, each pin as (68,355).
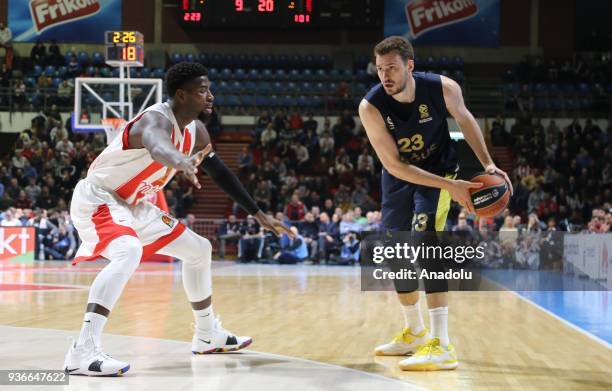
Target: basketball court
(313,328)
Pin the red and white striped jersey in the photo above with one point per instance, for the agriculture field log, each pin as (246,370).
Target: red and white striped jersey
(131,173)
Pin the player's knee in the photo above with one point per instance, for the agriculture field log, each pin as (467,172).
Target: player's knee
(202,253)
(130,251)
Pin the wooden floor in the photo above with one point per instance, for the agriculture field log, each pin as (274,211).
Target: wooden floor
(320,314)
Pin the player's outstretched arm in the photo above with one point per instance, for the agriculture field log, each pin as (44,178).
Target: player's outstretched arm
(229,183)
(455,105)
(387,152)
(153,132)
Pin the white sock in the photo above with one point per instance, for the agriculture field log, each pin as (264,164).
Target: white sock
(413,318)
(93,324)
(204,319)
(439,324)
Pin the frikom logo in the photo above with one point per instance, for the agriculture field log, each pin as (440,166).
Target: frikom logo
(50,13)
(425,15)
(13,244)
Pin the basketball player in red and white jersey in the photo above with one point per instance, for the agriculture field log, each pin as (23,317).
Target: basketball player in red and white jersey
(115,221)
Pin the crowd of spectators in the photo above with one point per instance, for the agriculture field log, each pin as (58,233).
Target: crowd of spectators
(318,238)
(559,173)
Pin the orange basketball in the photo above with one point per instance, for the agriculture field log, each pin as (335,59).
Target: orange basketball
(492,198)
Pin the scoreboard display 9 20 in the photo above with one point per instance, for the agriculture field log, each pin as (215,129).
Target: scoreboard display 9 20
(279,14)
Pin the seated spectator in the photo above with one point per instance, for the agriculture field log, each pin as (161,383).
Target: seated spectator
(348,224)
(55,56)
(326,144)
(245,162)
(462,224)
(359,195)
(10,219)
(263,121)
(295,210)
(311,123)
(302,157)
(293,250)
(229,232)
(349,254)
(61,244)
(250,246)
(58,132)
(328,207)
(342,197)
(328,237)
(268,136)
(65,145)
(23,201)
(19,90)
(13,188)
(19,161)
(38,54)
(262,195)
(46,200)
(310,232)
(280,121)
(6,42)
(295,121)
(73,67)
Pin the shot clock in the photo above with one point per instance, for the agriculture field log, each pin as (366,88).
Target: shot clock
(124,48)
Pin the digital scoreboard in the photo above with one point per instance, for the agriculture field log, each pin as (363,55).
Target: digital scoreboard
(124,48)
(279,14)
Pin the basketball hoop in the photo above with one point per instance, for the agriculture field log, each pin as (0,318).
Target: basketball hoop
(112,127)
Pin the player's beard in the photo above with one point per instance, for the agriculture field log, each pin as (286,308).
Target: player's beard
(402,87)
(204,116)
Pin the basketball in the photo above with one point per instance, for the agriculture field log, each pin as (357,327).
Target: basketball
(492,197)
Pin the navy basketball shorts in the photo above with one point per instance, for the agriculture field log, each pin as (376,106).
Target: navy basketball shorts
(416,208)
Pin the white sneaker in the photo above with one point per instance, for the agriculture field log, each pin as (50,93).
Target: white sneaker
(404,343)
(89,360)
(218,340)
(431,357)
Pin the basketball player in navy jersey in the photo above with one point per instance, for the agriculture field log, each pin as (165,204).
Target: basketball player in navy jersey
(405,118)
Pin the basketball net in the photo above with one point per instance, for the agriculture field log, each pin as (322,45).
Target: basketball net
(112,127)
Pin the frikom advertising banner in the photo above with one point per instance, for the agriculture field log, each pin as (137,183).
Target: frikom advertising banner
(444,22)
(63,20)
(17,243)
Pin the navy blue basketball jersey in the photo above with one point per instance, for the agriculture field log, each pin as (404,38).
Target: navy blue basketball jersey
(419,128)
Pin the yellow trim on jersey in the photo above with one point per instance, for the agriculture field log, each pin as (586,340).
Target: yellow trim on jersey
(443,206)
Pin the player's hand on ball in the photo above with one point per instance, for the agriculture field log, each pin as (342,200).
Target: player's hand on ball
(492,169)
(271,224)
(460,191)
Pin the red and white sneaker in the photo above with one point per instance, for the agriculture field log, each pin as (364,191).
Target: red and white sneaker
(218,340)
(89,360)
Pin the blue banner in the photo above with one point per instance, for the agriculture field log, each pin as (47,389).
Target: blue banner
(63,20)
(444,22)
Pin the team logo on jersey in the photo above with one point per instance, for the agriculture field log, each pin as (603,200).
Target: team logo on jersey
(169,221)
(424,114)
(390,123)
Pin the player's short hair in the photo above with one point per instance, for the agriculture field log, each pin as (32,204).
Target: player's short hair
(395,43)
(182,73)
